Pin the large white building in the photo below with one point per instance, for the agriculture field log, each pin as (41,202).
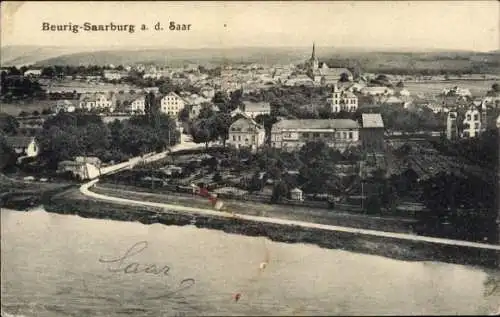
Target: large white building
(98,101)
(336,133)
(114,75)
(343,100)
(172,104)
(246,133)
(472,123)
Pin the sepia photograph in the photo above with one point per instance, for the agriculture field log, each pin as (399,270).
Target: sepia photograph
(249,158)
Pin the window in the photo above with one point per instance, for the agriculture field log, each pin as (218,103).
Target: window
(344,135)
(239,137)
(305,135)
(468,117)
(316,135)
(253,138)
(234,137)
(476,125)
(350,135)
(476,117)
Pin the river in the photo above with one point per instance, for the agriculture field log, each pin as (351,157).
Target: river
(60,265)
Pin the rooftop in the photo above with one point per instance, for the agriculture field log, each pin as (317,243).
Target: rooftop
(317,124)
(372,120)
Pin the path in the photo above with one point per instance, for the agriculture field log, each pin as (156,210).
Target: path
(84,189)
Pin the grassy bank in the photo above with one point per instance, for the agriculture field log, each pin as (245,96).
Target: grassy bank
(328,217)
(73,202)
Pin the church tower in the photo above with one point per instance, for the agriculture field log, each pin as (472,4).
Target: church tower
(313,62)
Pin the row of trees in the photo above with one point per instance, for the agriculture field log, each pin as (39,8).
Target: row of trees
(17,87)
(67,135)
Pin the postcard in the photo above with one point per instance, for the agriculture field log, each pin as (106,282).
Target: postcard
(249,158)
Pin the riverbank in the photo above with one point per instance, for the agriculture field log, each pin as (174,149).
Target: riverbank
(73,202)
(336,217)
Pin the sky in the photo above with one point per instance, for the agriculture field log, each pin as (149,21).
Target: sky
(454,25)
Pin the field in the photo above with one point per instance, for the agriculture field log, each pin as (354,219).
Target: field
(476,87)
(84,87)
(14,109)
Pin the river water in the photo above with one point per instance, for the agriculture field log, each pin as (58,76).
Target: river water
(59,265)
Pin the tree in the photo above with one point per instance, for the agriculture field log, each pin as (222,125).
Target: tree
(221,124)
(495,87)
(203,131)
(344,77)
(400,84)
(8,157)
(184,114)
(8,124)
(280,191)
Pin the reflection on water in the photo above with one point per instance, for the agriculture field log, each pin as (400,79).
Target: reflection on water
(50,267)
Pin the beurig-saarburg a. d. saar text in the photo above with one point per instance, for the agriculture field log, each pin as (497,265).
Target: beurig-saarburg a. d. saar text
(111,27)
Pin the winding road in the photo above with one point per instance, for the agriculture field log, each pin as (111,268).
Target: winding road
(85,190)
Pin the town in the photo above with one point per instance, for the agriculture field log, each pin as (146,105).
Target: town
(310,135)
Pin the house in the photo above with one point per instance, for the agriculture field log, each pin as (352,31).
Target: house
(296,194)
(64,105)
(253,109)
(131,103)
(457,91)
(89,159)
(404,92)
(291,135)
(330,76)
(80,170)
(472,123)
(245,132)
(207,92)
(343,100)
(372,133)
(32,73)
(172,104)
(23,146)
(97,101)
(114,75)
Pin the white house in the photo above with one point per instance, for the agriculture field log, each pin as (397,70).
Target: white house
(208,92)
(245,132)
(296,194)
(253,109)
(172,104)
(97,101)
(82,170)
(336,133)
(135,104)
(33,72)
(472,123)
(64,105)
(114,75)
(343,100)
(457,91)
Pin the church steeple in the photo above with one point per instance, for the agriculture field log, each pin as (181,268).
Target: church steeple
(313,55)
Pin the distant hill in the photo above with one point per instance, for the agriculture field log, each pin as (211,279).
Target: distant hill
(181,56)
(27,55)
(372,60)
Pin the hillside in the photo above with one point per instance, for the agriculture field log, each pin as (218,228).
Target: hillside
(368,60)
(26,55)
